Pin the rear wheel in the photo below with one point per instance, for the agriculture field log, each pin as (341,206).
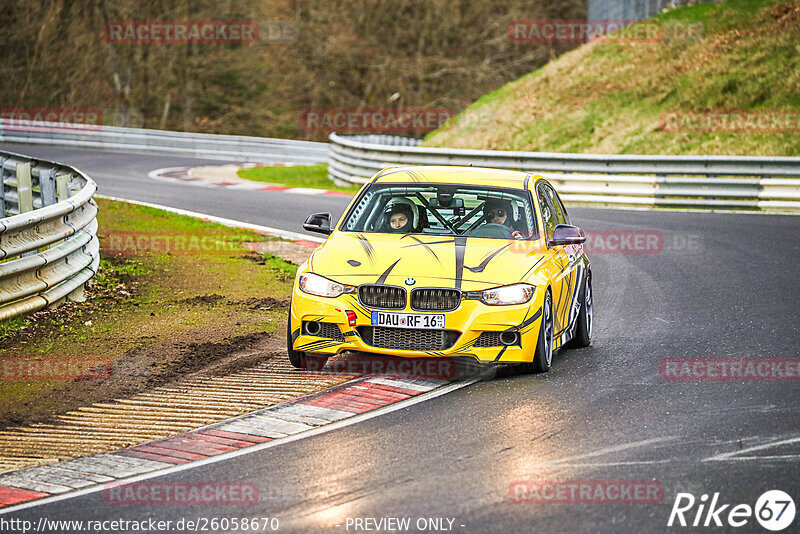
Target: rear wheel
(583,330)
(543,356)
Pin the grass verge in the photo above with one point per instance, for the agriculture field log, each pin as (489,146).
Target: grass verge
(612,97)
(173,294)
(309,176)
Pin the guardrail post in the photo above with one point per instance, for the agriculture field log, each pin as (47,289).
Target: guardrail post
(47,186)
(62,191)
(24,187)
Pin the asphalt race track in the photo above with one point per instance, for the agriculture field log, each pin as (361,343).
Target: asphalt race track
(720,285)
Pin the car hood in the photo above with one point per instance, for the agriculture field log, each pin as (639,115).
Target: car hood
(465,263)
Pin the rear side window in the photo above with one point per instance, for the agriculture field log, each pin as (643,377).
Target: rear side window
(558,208)
(548,217)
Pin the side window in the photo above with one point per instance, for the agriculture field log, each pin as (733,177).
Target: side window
(560,212)
(548,217)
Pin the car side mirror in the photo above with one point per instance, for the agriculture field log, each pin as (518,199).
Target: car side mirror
(319,223)
(566,234)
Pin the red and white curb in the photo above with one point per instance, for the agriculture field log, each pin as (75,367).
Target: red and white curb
(181,175)
(352,401)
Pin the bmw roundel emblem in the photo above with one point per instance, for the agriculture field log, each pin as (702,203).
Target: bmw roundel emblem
(410,281)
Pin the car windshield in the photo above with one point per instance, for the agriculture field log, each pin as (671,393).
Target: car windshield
(443,209)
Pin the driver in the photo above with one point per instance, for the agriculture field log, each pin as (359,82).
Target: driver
(399,216)
(497,211)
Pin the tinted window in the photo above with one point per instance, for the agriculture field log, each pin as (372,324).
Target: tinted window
(558,209)
(548,217)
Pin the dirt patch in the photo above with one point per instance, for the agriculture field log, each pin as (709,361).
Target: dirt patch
(149,366)
(152,318)
(291,252)
(204,299)
(266,303)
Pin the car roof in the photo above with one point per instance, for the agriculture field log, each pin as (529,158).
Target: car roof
(453,175)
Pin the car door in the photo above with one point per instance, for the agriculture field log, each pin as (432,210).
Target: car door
(557,257)
(571,255)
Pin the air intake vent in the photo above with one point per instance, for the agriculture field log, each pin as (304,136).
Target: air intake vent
(408,338)
(386,297)
(488,339)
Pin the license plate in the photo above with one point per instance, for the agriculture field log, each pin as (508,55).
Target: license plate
(408,320)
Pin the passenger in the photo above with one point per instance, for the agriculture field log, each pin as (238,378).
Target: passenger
(499,211)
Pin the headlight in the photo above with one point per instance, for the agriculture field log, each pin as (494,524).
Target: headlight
(315,284)
(506,295)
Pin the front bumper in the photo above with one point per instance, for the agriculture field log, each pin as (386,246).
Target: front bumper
(469,320)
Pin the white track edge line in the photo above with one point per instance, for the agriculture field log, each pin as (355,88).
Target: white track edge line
(221,220)
(251,449)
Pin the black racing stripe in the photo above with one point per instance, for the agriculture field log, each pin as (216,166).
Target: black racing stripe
(424,244)
(446,241)
(367,246)
(526,321)
(467,345)
(500,355)
(485,262)
(461,245)
(382,278)
(313,344)
(389,172)
(357,305)
(330,345)
(568,294)
(532,268)
(416,176)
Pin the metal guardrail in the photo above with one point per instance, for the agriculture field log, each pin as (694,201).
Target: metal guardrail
(48,234)
(707,182)
(629,9)
(143,141)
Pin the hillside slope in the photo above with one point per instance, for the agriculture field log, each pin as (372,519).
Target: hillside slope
(368,54)
(619,97)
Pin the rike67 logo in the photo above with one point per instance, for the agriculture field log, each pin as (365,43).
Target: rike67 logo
(774,510)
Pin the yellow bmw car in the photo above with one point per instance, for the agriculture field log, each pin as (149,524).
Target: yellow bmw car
(445,262)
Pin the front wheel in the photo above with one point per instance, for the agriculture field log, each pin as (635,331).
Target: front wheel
(299,359)
(296,357)
(543,357)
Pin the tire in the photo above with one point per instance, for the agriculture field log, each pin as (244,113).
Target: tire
(583,330)
(296,357)
(543,356)
(299,359)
